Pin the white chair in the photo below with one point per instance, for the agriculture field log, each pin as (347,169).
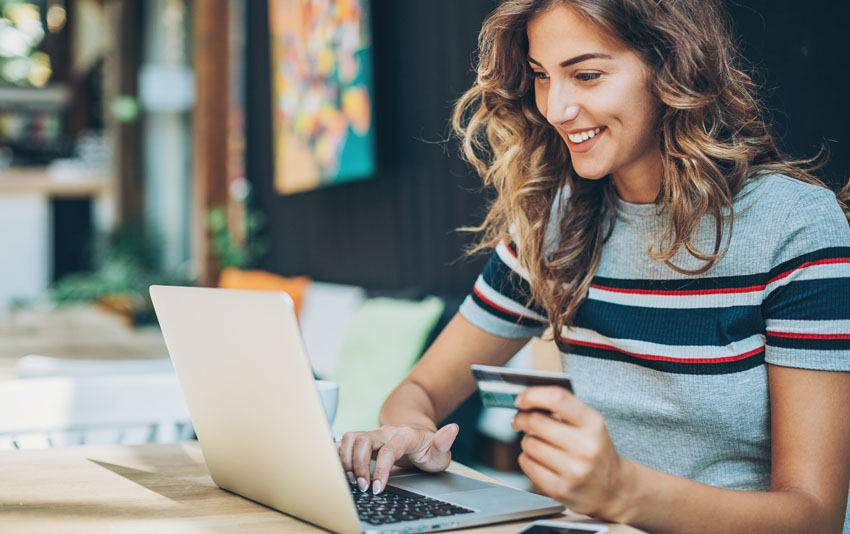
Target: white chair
(92,410)
(325,316)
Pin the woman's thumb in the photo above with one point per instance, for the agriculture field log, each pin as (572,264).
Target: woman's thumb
(444,437)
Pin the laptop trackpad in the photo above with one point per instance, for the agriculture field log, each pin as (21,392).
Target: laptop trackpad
(436,483)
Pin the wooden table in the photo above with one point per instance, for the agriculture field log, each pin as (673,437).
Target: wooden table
(74,331)
(150,488)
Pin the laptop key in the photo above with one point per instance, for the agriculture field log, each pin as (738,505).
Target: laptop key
(395,505)
(422,514)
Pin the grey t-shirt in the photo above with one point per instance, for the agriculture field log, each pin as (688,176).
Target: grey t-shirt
(676,363)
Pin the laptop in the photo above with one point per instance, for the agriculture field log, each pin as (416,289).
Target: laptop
(260,423)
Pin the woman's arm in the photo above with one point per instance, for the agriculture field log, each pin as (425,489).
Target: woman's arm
(441,380)
(436,385)
(574,461)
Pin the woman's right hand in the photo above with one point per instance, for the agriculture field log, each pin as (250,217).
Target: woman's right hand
(403,445)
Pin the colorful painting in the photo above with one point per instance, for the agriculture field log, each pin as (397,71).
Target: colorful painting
(322,93)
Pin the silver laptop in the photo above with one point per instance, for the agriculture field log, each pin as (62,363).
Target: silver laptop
(261,426)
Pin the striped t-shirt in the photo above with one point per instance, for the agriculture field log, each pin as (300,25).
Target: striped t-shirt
(676,363)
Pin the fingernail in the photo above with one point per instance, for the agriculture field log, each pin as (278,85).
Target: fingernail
(362,484)
(376,487)
(350,476)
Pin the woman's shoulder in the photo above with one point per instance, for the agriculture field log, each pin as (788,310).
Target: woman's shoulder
(783,190)
(777,196)
(795,216)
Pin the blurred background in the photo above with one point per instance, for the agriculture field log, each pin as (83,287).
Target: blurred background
(285,144)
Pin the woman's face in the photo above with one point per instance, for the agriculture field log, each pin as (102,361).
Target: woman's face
(595,93)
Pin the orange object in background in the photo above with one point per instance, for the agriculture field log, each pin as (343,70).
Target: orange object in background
(296,286)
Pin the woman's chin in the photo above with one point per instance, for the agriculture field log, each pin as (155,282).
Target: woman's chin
(590,174)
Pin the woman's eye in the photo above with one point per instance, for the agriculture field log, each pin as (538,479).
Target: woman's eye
(537,75)
(588,76)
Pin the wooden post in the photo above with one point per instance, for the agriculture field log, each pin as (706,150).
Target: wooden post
(121,75)
(210,41)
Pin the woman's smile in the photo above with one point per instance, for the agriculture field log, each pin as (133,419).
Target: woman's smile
(584,140)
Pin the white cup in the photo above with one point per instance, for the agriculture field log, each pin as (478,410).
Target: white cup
(329,393)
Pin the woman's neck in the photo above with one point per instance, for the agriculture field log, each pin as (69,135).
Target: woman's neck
(639,185)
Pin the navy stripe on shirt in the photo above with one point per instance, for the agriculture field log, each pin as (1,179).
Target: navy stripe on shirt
(815,300)
(695,326)
(808,342)
(499,276)
(502,313)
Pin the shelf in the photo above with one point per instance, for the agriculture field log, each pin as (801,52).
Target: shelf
(38,180)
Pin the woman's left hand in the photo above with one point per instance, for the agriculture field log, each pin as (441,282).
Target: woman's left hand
(568,453)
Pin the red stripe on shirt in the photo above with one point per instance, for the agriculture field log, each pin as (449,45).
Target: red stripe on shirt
(493,304)
(796,335)
(828,261)
(681,293)
(665,358)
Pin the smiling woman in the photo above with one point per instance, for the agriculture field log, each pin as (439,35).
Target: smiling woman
(694,278)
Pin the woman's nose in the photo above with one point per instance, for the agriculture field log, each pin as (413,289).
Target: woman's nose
(560,113)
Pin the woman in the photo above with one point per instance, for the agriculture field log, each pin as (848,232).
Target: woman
(696,280)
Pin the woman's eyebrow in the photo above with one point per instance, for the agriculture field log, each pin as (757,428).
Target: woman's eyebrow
(577,59)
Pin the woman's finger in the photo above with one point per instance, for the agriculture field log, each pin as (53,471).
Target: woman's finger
(345,450)
(392,451)
(556,460)
(361,458)
(544,478)
(557,433)
(558,401)
(543,424)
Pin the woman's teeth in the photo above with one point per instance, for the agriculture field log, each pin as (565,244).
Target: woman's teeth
(583,136)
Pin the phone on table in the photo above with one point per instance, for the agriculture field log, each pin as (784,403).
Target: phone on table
(499,386)
(561,527)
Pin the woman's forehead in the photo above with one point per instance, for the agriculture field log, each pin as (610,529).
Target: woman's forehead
(560,31)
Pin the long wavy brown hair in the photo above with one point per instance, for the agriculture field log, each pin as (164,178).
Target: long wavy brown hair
(711,133)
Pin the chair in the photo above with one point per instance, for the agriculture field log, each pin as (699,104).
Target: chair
(92,410)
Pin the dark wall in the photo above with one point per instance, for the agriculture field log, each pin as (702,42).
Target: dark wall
(396,230)
(800,51)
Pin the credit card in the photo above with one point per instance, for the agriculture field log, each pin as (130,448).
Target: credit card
(499,386)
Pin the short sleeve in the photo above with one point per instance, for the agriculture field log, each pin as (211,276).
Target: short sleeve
(807,297)
(500,302)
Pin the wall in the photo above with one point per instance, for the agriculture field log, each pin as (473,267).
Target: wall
(396,231)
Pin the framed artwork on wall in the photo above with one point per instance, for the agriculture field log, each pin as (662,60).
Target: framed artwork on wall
(323,125)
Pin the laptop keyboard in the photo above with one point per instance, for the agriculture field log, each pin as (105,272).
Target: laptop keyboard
(395,505)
